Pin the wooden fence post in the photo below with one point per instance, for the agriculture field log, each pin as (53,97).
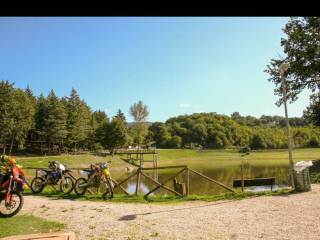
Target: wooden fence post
(138,181)
(188,181)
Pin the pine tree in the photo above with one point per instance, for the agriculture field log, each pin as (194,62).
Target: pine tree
(121,116)
(55,126)
(16,114)
(22,117)
(78,120)
(6,108)
(33,100)
(40,119)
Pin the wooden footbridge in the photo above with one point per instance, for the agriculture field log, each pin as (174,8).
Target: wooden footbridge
(136,157)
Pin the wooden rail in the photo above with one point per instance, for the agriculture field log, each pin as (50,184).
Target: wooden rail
(254,182)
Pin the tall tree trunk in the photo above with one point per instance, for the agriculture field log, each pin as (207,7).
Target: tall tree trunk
(11,145)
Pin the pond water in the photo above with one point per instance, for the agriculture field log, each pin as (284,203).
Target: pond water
(199,185)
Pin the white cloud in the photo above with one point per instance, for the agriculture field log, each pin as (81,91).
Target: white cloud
(107,110)
(184,105)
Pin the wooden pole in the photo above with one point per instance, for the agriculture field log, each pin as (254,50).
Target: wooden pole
(242,176)
(117,185)
(188,181)
(128,178)
(283,68)
(138,181)
(167,180)
(160,185)
(210,179)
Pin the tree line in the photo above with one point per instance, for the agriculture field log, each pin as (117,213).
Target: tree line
(54,125)
(212,130)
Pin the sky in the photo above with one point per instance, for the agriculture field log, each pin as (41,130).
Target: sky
(174,65)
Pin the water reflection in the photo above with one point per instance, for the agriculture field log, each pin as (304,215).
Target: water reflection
(131,187)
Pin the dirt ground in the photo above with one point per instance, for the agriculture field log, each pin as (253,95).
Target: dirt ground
(295,216)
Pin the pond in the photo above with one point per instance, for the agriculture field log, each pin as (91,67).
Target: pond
(225,175)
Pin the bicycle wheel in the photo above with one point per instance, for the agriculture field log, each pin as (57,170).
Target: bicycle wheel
(37,185)
(66,185)
(11,208)
(109,190)
(81,185)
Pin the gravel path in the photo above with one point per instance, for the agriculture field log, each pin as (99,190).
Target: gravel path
(295,216)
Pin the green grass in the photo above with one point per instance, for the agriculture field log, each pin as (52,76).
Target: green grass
(165,199)
(27,224)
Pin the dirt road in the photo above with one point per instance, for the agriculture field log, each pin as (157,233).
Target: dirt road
(295,216)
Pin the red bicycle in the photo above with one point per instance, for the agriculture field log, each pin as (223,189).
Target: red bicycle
(11,187)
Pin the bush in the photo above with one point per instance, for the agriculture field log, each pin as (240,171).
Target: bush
(257,142)
(245,150)
(314,142)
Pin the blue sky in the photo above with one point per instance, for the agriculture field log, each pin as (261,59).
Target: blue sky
(174,65)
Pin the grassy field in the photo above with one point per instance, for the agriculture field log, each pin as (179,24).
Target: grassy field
(27,224)
(193,158)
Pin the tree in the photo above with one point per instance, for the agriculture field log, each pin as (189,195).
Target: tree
(78,118)
(257,142)
(22,117)
(139,129)
(174,142)
(6,109)
(160,134)
(96,134)
(16,116)
(30,95)
(139,112)
(32,132)
(55,121)
(40,119)
(312,113)
(121,116)
(302,53)
(115,134)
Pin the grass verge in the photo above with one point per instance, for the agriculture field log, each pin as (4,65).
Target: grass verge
(27,224)
(165,199)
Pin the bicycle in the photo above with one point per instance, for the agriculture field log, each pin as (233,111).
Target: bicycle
(92,179)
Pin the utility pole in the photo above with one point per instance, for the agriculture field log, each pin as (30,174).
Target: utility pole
(283,68)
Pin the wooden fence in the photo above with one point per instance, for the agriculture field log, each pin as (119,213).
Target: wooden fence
(141,171)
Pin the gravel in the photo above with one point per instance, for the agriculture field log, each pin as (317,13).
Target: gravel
(295,216)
